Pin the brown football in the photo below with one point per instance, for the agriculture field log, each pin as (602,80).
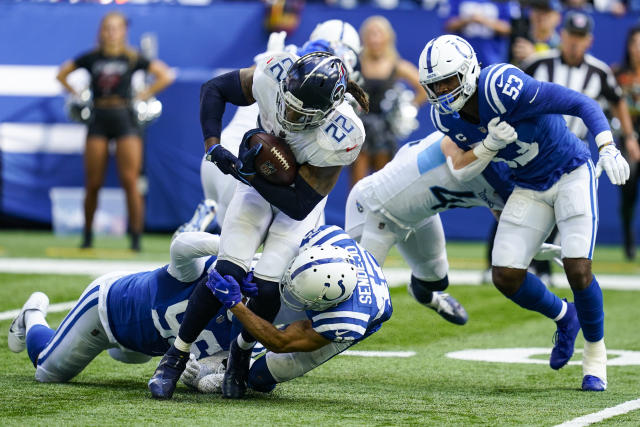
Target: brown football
(275,161)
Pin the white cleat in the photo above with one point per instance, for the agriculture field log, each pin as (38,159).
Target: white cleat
(203,216)
(17,335)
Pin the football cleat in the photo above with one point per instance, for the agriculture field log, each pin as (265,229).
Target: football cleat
(448,307)
(203,216)
(592,383)
(564,337)
(16,338)
(234,383)
(163,382)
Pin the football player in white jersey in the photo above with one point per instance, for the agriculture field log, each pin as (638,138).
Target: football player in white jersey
(343,295)
(334,36)
(301,100)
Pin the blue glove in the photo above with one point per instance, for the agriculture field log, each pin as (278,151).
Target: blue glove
(226,289)
(247,155)
(248,287)
(224,159)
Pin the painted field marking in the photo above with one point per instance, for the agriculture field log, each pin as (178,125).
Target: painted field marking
(524,355)
(53,308)
(596,417)
(378,353)
(396,276)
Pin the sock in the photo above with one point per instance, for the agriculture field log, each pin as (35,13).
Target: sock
(422,290)
(260,378)
(590,311)
(202,307)
(32,318)
(534,295)
(265,305)
(245,345)
(38,336)
(563,311)
(594,359)
(181,345)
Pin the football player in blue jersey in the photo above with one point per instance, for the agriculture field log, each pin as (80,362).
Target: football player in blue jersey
(500,114)
(133,316)
(344,296)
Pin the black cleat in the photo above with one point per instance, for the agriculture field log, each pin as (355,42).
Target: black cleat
(234,383)
(163,382)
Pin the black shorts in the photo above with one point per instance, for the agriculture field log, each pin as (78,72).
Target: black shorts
(379,138)
(113,123)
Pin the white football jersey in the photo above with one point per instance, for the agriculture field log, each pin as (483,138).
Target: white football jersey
(417,184)
(336,142)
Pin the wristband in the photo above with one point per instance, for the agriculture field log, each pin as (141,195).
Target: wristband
(604,145)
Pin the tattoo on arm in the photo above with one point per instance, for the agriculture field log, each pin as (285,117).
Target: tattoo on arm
(321,179)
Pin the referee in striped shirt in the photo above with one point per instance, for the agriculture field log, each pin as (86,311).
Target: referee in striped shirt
(572,67)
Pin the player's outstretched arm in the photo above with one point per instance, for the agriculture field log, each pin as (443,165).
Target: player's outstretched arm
(234,87)
(466,165)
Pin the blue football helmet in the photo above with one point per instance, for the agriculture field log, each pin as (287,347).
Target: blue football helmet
(314,86)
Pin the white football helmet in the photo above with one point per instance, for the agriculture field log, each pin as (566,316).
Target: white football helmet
(335,30)
(447,56)
(319,278)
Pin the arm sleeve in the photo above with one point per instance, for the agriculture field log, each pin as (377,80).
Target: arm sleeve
(214,95)
(188,254)
(296,202)
(610,88)
(536,97)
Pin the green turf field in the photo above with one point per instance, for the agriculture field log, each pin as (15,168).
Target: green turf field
(426,389)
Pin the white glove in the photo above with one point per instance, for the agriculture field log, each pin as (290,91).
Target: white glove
(204,375)
(276,41)
(549,252)
(614,165)
(500,135)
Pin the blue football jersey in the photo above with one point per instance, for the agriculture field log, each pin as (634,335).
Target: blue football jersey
(145,310)
(369,306)
(545,148)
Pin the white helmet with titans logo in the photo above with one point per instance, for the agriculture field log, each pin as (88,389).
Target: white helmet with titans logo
(442,58)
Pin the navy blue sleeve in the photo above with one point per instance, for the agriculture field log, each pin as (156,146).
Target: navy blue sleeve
(214,95)
(296,202)
(550,98)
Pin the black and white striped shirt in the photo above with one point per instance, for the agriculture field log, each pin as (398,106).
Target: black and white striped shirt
(593,78)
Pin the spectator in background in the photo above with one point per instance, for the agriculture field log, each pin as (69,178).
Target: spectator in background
(535,31)
(485,24)
(573,67)
(111,65)
(628,75)
(381,68)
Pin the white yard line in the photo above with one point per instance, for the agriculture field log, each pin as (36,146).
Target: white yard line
(378,353)
(53,308)
(396,276)
(596,417)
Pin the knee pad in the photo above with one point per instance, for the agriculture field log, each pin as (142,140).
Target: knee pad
(128,356)
(284,366)
(228,268)
(421,290)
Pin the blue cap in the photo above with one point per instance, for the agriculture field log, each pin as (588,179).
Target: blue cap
(545,4)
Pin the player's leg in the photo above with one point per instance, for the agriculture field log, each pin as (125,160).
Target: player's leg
(525,223)
(373,231)
(429,268)
(249,216)
(280,247)
(275,368)
(577,215)
(61,355)
(629,193)
(129,161)
(96,155)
